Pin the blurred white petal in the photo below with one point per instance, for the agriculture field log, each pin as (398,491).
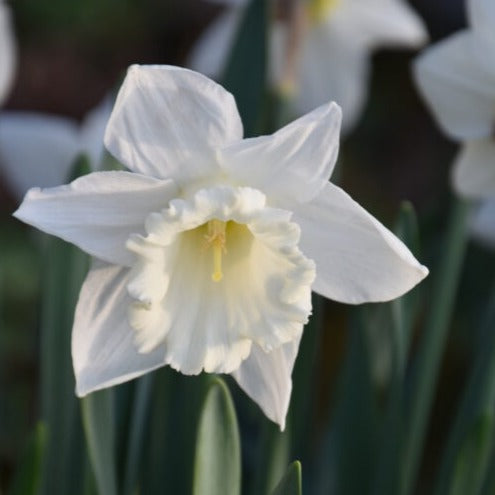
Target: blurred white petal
(459,91)
(8,54)
(36,149)
(332,69)
(481,15)
(378,23)
(39,149)
(483,223)
(335,52)
(473,172)
(210,53)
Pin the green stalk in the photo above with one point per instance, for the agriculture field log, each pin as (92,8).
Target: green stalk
(401,315)
(433,343)
(98,420)
(138,428)
(468,448)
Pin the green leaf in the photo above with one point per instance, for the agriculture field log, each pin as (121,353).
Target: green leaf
(217,463)
(137,431)
(27,477)
(245,71)
(473,457)
(398,319)
(350,445)
(468,448)
(304,381)
(65,269)
(272,458)
(98,421)
(291,483)
(433,342)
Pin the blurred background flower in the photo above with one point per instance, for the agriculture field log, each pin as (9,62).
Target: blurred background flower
(38,149)
(7,51)
(457,80)
(320,50)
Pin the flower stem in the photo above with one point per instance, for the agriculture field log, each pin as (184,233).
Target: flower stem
(465,459)
(433,343)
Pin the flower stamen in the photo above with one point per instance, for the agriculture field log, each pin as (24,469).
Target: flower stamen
(216,238)
(320,9)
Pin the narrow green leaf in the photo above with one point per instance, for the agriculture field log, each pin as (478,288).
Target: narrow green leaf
(139,421)
(245,71)
(304,382)
(272,458)
(98,421)
(404,308)
(65,269)
(400,316)
(171,440)
(468,449)
(27,477)
(489,482)
(291,483)
(350,443)
(433,342)
(473,457)
(217,463)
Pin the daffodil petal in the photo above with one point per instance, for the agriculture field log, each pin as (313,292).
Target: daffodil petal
(358,260)
(212,49)
(167,123)
(7,51)
(103,349)
(293,164)
(460,92)
(97,212)
(266,378)
(473,173)
(36,149)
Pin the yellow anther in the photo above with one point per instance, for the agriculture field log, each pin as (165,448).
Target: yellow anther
(216,239)
(318,10)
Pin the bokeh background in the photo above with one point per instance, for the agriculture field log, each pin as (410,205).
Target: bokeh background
(73,54)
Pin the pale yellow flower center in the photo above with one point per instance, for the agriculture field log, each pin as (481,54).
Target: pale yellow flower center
(318,10)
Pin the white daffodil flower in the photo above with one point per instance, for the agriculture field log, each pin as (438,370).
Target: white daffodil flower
(37,149)
(457,79)
(7,51)
(333,59)
(210,247)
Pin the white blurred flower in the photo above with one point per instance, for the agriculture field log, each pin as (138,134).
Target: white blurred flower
(457,79)
(333,59)
(209,248)
(483,223)
(7,51)
(38,149)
